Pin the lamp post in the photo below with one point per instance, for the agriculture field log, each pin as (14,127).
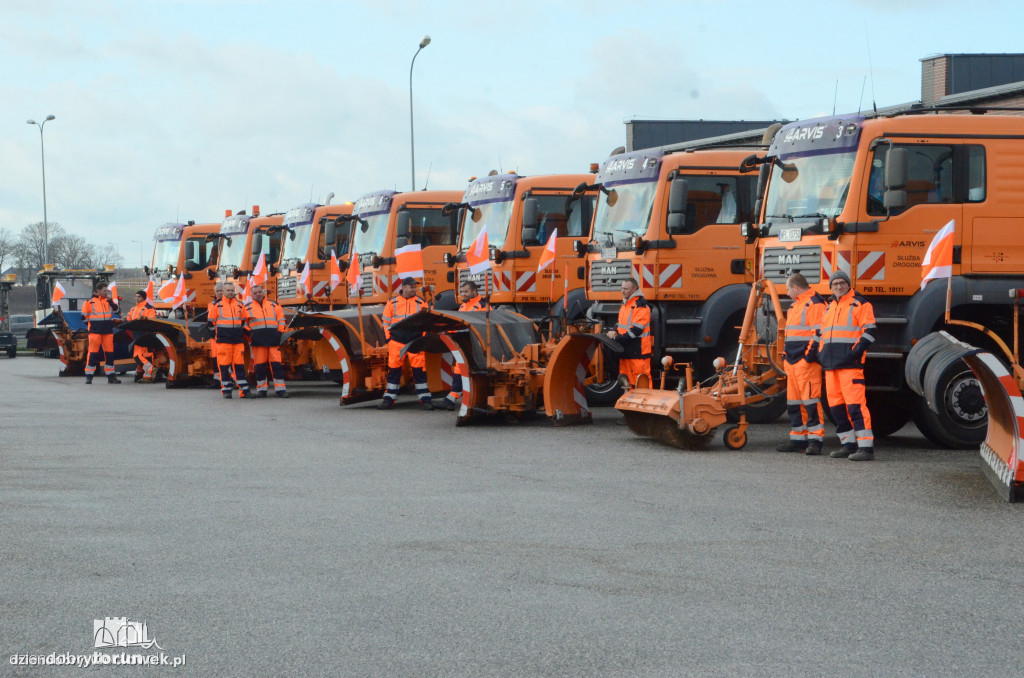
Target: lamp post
(141,245)
(42,154)
(412,137)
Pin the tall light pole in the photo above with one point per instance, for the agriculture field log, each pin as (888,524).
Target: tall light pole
(412,137)
(42,154)
(141,245)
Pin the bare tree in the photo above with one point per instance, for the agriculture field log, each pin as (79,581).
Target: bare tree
(106,255)
(8,248)
(72,252)
(30,245)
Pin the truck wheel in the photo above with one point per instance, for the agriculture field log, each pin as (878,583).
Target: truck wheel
(918,358)
(962,419)
(605,394)
(12,352)
(889,411)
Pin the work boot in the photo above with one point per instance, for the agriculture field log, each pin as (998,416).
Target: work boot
(227,394)
(426,405)
(112,379)
(843,452)
(138,377)
(386,405)
(449,404)
(261,394)
(787,446)
(88,379)
(813,449)
(283,394)
(245,394)
(863,454)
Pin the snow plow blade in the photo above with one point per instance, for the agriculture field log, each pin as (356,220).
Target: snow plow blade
(566,375)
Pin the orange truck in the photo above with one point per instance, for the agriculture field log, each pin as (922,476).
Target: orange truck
(243,237)
(184,249)
(386,220)
(521,213)
(867,196)
(669,221)
(311,233)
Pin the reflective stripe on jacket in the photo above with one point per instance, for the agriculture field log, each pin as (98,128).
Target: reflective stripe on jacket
(397,309)
(803,327)
(98,313)
(228,318)
(477,303)
(266,322)
(634,328)
(847,329)
(141,310)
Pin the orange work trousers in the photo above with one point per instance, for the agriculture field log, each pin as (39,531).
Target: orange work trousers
(634,367)
(100,345)
(848,404)
(803,403)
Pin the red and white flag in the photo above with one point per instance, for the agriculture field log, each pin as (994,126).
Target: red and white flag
(304,280)
(353,276)
(478,256)
(335,272)
(259,271)
(113,291)
(547,257)
(938,260)
(247,292)
(167,291)
(409,261)
(180,293)
(149,292)
(58,293)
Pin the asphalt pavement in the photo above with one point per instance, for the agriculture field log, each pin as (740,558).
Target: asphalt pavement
(297,538)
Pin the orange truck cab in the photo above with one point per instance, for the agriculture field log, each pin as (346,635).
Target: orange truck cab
(669,222)
(184,248)
(387,220)
(866,196)
(521,214)
(242,238)
(310,233)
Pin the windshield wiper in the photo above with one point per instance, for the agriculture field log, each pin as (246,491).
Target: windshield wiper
(816,215)
(778,216)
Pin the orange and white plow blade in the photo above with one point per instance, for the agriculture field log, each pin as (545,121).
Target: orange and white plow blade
(1003,444)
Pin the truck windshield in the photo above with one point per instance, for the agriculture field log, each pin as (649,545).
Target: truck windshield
(165,253)
(370,234)
(808,187)
(296,241)
(623,212)
(495,216)
(233,253)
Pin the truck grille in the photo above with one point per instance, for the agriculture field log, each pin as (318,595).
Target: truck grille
(484,281)
(287,287)
(367,283)
(780,263)
(606,275)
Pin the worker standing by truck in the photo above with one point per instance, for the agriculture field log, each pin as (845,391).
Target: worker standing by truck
(847,329)
(98,313)
(218,292)
(266,325)
(143,356)
(228,317)
(401,306)
(633,331)
(803,372)
(469,295)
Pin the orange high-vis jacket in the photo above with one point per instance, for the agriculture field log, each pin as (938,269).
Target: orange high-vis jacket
(266,322)
(397,309)
(803,327)
(477,303)
(228,318)
(141,310)
(99,315)
(634,328)
(847,329)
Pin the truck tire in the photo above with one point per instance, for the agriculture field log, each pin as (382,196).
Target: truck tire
(605,394)
(889,411)
(962,419)
(763,412)
(919,357)
(12,352)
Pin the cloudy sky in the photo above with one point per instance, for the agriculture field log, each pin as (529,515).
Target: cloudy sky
(177,109)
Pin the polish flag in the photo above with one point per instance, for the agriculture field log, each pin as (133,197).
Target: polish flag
(304,280)
(938,260)
(113,291)
(409,261)
(167,291)
(335,272)
(247,292)
(259,272)
(478,254)
(353,276)
(547,257)
(149,292)
(58,293)
(180,293)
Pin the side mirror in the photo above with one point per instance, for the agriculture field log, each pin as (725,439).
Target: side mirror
(530,236)
(531,210)
(895,196)
(330,231)
(677,198)
(401,241)
(402,225)
(190,250)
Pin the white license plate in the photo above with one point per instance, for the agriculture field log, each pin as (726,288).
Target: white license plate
(611,252)
(790,235)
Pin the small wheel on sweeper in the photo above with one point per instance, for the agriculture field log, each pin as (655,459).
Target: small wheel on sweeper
(734,438)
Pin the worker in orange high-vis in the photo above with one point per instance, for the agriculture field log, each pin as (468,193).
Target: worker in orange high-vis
(228,317)
(633,332)
(218,292)
(803,372)
(266,327)
(847,330)
(98,313)
(469,295)
(401,306)
(143,356)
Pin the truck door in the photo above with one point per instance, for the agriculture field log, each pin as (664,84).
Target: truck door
(993,240)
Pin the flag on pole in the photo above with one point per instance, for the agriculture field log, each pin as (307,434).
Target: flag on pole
(149,292)
(247,292)
(938,260)
(547,257)
(113,291)
(478,254)
(167,291)
(409,261)
(335,272)
(259,271)
(304,280)
(180,293)
(353,276)
(58,293)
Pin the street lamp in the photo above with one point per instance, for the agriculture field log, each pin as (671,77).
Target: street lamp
(42,154)
(412,137)
(141,245)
